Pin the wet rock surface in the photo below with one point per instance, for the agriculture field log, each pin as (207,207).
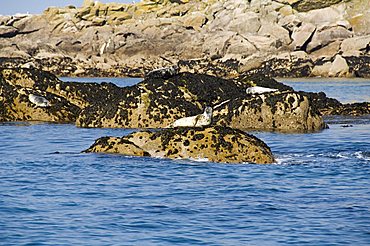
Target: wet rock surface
(215,144)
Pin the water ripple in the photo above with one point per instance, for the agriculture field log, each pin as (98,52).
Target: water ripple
(50,193)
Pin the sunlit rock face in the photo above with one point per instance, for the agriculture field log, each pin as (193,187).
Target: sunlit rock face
(224,38)
(215,144)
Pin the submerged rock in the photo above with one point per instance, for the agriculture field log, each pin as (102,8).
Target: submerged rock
(215,144)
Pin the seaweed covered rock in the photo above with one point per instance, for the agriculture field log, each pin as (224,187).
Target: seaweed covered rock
(80,94)
(158,102)
(352,109)
(283,111)
(15,105)
(216,144)
(331,106)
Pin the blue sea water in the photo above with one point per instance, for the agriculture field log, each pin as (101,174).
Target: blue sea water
(318,193)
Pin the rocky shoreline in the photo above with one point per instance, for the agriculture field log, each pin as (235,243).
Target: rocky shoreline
(219,55)
(285,38)
(157,102)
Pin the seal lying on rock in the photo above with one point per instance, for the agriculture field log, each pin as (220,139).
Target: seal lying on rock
(216,144)
(259,90)
(204,119)
(163,73)
(39,101)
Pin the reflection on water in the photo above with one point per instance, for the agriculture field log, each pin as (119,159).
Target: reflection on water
(343,89)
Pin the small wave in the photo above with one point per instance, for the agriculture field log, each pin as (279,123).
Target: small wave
(363,155)
(291,159)
(199,159)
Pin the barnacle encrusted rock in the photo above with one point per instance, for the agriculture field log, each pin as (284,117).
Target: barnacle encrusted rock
(283,111)
(216,144)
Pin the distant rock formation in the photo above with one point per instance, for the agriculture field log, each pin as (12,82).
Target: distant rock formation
(215,144)
(289,38)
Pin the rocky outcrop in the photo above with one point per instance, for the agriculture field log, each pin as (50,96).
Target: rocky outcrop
(281,111)
(330,106)
(158,102)
(224,38)
(16,106)
(215,144)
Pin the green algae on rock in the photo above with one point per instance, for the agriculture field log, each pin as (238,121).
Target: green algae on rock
(215,144)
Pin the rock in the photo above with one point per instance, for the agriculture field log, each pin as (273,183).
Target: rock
(157,102)
(321,70)
(215,144)
(307,5)
(359,65)
(358,15)
(290,22)
(302,34)
(325,36)
(244,23)
(16,106)
(339,67)
(321,102)
(281,34)
(228,37)
(355,45)
(196,20)
(119,17)
(327,51)
(8,31)
(239,45)
(218,46)
(323,17)
(279,111)
(353,109)
(291,66)
(330,106)
(163,73)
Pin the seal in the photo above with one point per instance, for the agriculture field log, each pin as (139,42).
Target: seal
(199,120)
(163,73)
(259,90)
(39,101)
